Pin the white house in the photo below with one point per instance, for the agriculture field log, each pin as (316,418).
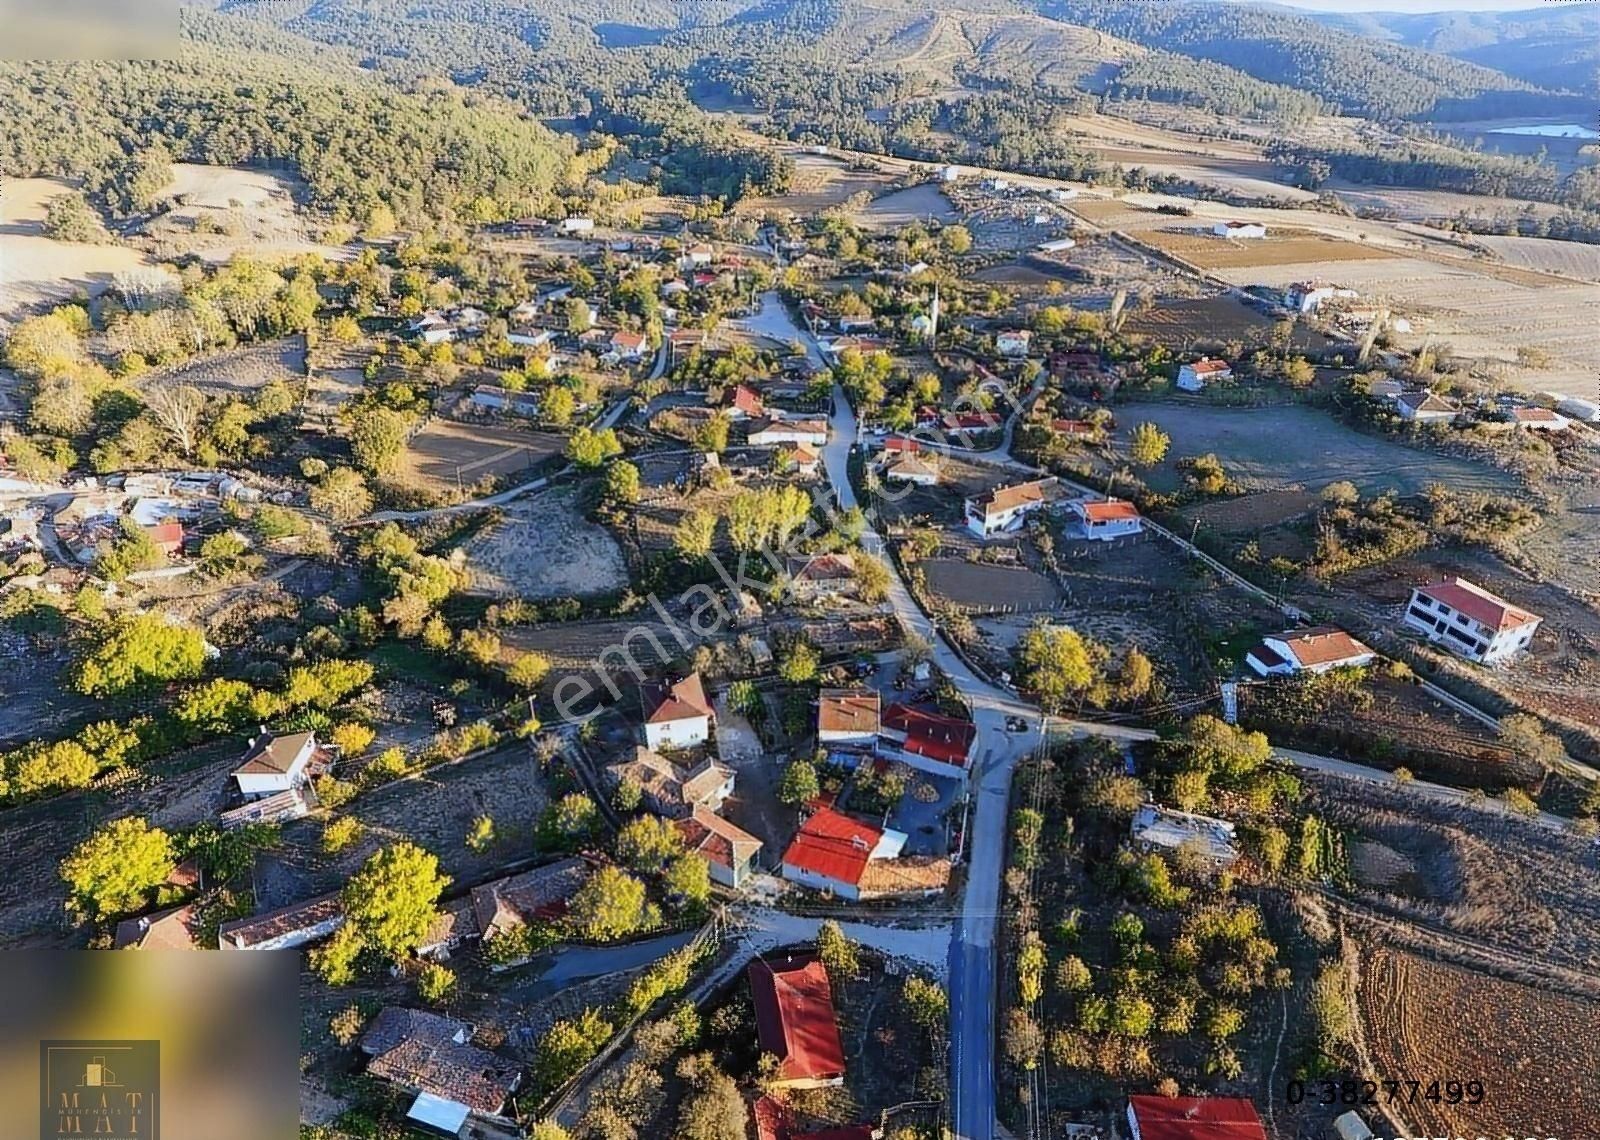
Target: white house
(1425,408)
(848,716)
(1586,410)
(699,254)
(627,346)
(832,851)
(768,433)
(1002,509)
(1239,230)
(432,328)
(577,225)
(491,397)
(286,927)
(927,741)
(729,850)
(676,715)
(1309,296)
(1013,342)
(1059,245)
(909,469)
(274,764)
(1539,419)
(1315,650)
(1156,828)
(1194,377)
(1063,194)
(949,173)
(1469,620)
(530,337)
(1104,520)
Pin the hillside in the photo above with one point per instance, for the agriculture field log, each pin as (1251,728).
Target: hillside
(1555,46)
(1359,75)
(251,97)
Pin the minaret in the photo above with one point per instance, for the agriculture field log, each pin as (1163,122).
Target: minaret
(933,329)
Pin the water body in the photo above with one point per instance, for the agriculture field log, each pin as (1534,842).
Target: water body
(1551,131)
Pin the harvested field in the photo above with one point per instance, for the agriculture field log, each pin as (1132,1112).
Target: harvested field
(545,548)
(980,587)
(36,270)
(224,210)
(1480,309)
(1249,513)
(1251,444)
(1569,258)
(1536,1060)
(1497,886)
(902,207)
(1279,247)
(819,182)
(240,371)
(446,454)
(1182,324)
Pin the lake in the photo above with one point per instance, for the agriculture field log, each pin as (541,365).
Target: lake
(1551,131)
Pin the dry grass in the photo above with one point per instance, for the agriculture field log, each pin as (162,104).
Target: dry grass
(446,453)
(545,548)
(1277,248)
(37,270)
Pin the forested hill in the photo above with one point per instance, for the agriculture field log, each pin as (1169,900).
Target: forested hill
(1362,76)
(245,94)
(1554,45)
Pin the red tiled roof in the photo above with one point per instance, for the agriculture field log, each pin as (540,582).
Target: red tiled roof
(1321,645)
(716,840)
(929,734)
(174,929)
(772,1119)
(1196,1118)
(746,399)
(847,1132)
(1534,416)
(1073,427)
(1478,604)
(681,700)
(1205,366)
(900,443)
(795,1018)
(833,845)
(848,710)
(167,535)
(1110,510)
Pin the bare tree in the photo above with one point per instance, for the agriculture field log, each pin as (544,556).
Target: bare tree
(178,408)
(146,286)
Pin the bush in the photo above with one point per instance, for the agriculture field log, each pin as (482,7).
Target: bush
(352,738)
(435,983)
(339,834)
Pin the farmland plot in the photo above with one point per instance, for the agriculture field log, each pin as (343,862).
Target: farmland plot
(35,269)
(1296,447)
(1199,247)
(545,548)
(1190,321)
(1534,1052)
(447,455)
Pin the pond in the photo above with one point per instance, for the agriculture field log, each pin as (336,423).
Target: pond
(1551,131)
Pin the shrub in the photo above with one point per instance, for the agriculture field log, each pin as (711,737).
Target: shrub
(339,834)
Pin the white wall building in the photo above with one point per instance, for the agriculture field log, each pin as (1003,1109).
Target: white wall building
(1194,377)
(1470,621)
(275,764)
(1239,230)
(1104,520)
(1314,650)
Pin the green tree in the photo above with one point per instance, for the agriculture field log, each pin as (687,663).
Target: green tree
(956,239)
(528,670)
(435,983)
(800,663)
(839,954)
(481,835)
(116,869)
(715,1110)
(393,899)
(340,833)
(612,904)
(558,405)
(648,843)
(342,495)
(800,784)
(137,653)
(335,960)
(688,880)
(1072,975)
(590,448)
(1148,444)
(1059,664)
(622,483)
(694,534)
(377,439)
(926,1003)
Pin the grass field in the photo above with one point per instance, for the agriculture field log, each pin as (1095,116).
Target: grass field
(819,183)
(1295,447)
(902,207)
(446,454)
(976,586)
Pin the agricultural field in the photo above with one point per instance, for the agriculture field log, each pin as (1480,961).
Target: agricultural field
(545,548)
(1198,246)
(981,587)
(1479,309)
(819,183)
(37,270)
(446,455)
(902,207)
(1213,319)
(1546,255)
(1535,1064)
(219,211)
(941,504)
(241,371)
(1251,444)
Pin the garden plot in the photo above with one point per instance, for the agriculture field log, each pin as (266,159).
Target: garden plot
(545,548)
(978,587)
(1198,246)
(819,183)
(240,371)
(448,455)
(1189,321)
(902,207)
(1295,447)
